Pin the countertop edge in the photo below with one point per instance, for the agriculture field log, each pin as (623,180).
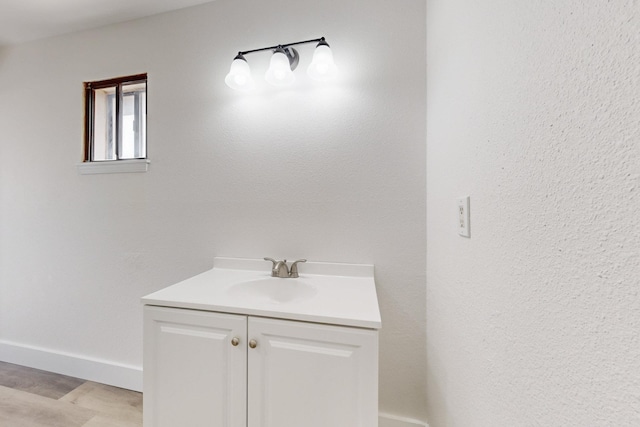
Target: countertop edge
(336,321)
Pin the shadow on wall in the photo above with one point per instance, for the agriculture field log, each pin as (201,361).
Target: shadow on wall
(3,55)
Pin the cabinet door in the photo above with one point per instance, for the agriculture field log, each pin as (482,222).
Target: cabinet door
(311,375)
(193,375)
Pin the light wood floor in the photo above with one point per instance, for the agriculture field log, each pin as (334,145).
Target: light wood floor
(34,398)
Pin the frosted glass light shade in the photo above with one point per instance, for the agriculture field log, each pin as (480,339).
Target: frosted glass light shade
(279,72)
(239,76)
(322,67)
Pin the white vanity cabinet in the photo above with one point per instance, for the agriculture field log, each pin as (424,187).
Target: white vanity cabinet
(215,369)
(235,347)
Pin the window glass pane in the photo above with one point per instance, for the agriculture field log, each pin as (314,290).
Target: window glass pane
(134,121)
(104,127)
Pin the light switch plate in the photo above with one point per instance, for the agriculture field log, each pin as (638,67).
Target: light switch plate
(463,216)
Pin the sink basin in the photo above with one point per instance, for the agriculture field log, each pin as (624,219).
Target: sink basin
(274,289)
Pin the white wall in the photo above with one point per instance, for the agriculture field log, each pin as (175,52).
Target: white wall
(533,111)
(328,173)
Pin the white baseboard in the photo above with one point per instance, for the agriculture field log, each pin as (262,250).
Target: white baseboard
(101,371)
(386,420)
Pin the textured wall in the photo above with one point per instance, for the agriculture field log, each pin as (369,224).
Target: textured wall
(534,111)
(328,173)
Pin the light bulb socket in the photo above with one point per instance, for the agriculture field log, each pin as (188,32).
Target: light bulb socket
(322,42)
(240,56)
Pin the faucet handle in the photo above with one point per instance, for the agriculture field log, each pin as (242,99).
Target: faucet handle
(293,271)
(274,266)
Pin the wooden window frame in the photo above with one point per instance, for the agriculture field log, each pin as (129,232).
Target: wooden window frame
(90,100)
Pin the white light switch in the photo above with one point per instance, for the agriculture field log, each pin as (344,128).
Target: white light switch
(463,217)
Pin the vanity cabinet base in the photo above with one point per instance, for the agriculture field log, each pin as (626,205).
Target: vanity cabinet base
(228,370)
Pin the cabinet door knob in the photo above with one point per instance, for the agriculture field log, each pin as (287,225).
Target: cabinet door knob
(235,341)
(253,343)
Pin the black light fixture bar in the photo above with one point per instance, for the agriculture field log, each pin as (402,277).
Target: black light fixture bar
(281,46)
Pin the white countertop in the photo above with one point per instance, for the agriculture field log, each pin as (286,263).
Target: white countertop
(339,294)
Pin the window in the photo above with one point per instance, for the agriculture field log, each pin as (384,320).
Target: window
(116,119)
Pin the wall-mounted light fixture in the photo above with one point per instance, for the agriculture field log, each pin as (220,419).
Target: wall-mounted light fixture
(284,60)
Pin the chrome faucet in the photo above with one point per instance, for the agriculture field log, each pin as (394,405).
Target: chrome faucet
(282,270)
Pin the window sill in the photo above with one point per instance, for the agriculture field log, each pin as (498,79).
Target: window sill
(116,166)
